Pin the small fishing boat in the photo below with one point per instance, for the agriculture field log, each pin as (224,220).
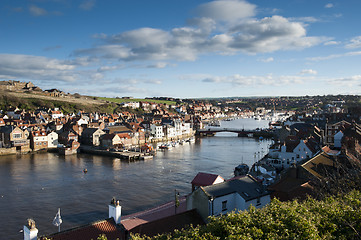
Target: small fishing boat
(241,169)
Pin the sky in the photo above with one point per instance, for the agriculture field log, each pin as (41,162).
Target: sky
(183,48)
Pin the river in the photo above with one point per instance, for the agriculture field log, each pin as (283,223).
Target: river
(36,185)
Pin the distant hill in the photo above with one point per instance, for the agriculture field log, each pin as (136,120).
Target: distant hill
(25,95)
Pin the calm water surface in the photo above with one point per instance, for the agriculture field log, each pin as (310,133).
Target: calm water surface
(36,185)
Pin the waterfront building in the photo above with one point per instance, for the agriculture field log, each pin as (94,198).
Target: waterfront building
(233,195)
(38,140)
(91,136)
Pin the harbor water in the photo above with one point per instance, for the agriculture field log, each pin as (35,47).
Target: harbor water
(36,185)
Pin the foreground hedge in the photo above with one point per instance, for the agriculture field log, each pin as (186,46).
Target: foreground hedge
(332,218)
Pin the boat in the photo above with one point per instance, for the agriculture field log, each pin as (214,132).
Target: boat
(214,123)
(167,146)
(241,170)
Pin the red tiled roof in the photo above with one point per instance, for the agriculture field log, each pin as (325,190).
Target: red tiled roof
(91,231)
(124,135)
(204,179)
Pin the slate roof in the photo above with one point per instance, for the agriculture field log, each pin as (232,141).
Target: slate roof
(247,187)
(89,131)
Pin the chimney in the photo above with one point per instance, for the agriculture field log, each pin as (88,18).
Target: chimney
(30,230)
(115,211)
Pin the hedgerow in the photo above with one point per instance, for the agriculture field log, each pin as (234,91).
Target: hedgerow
(331,218)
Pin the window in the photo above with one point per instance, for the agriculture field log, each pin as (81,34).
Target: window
(224,206)
(258,201)
(17,135)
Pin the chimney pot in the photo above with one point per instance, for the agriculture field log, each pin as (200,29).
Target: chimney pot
(115,212)
(30,230)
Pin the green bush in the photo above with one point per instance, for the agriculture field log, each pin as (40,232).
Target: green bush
(331,218)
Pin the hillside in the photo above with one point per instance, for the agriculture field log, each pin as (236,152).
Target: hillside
(33,100)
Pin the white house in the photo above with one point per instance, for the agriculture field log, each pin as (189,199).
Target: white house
(52,140)
(156,131)
(178,127)
(233,195)
(293,152)
(186,128)
(132,105)
(169,131)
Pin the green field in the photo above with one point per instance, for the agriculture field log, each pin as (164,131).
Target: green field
(121,100)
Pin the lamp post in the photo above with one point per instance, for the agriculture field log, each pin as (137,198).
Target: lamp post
(176,201)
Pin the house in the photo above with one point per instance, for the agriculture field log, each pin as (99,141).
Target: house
(236,194)
(205,179)
(53,139)
(38,140)
(293,151)
(70,148)
(12,136)
(266,173)
(91,136)
(169,131)
(337,139)
(156,131)
(332,129)
(67,136)
(110,140)
(125,139)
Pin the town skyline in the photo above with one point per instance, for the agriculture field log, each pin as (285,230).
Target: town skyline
(203,49)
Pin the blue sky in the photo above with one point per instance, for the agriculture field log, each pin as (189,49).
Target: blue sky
(184,48)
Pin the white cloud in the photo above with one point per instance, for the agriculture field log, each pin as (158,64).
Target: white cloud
(329,5)
(333,56)
(37,11)
(87,5)
(158,65)
(329,43)
(266,60)
(354,43)
(187,43)
(305,19)
(271,34)
(351,81)
(270,80)
(227,10)
(36,68)
(308,71)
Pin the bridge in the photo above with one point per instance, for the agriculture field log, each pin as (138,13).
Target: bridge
(241,132)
